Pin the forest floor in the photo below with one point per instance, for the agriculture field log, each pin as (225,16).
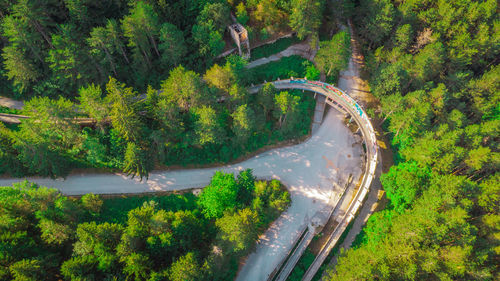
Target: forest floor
(307,169)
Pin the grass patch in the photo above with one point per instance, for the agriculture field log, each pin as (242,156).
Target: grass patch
(7,110)
(293,66)
(115,209)
(302,265)
(276,47)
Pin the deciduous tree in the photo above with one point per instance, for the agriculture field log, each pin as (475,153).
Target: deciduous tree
(306,16)
(243,123)
(207,127)
(219,196)
(334,54)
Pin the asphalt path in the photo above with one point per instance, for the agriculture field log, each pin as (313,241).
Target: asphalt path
(307,169)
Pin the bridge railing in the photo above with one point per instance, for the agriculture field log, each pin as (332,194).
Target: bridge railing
(339,98)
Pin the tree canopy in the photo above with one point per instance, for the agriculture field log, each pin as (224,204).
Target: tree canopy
(46,235)
(433,75)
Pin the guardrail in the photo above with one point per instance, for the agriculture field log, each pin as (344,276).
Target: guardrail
(337,98)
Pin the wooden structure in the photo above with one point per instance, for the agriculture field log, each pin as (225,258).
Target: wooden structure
(240,37)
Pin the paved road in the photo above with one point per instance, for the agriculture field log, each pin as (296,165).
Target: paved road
(307,169)
(10,103)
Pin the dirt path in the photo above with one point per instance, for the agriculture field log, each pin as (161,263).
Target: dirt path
(351,81)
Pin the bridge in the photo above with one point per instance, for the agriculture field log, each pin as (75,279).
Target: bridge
(344,103)
(336,98)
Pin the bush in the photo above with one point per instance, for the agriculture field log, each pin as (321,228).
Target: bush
(284,68)
(264,34)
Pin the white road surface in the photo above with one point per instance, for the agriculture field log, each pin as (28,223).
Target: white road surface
(308,169)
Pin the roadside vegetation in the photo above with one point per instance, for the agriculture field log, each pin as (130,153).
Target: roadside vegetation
(274,48)
(188,121)
(434,67)
(7,110)
(333,56)
(48,236)
(145,72)
(292,66)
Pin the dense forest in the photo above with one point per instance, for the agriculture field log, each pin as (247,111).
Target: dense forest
(145,71)
(54,47)
(434,67)
(47,236)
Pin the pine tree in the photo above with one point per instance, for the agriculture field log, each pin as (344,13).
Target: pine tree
(123,114)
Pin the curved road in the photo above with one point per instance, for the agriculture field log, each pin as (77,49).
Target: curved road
(313,171)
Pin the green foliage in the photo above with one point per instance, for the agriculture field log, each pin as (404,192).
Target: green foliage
(68,61)
(404,36)
(239,229)
(185,268)
(270,200)
(206,127)
(209,40)
(91,102)
(241,13)
(333,56)
(123,113)
(246,186)
(243,123)
(210,27)
(438,88)
(403,184)
(267,13)
(306,16)
(141,29)
(136,161)
(286,105)
(171,45)
(46,235)
(219,196)
(183,87)
(293,66)
(46,137)
(221,78)
(27,270)
(274,48)
(312,73)
(91,202)
(217,13)
(377,19)
(19,69)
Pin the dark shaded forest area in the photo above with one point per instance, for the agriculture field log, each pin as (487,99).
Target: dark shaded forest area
(434,67)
